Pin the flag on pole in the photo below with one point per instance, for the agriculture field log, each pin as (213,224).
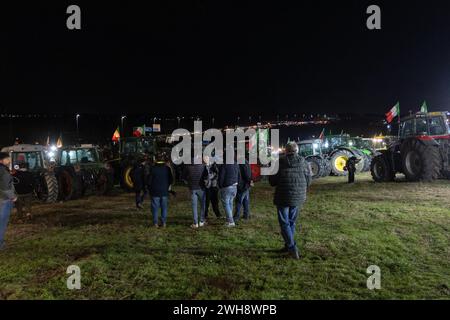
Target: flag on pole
(322,134)
(59,143)
(394,112)
(139,131)
(116,135)
(424,107)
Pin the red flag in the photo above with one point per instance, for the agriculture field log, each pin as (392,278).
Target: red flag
(322,134)
(116,135)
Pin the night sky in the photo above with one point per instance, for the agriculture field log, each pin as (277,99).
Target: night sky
(220,57)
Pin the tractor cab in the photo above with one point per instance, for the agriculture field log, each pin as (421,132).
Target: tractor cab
(83,155)
(137,145)
(32,157)
(310,148)
(432,124)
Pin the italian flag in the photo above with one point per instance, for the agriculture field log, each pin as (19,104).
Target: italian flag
(116,135)
(139,131)
(394,112)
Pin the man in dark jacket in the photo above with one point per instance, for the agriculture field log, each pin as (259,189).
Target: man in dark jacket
(243,192)
(229,177)
(351,168)
(159,181)
(291,182)
(192,175)
(24,188)
(7,194)
(210,180)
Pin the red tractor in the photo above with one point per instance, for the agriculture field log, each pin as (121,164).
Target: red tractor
(422,152)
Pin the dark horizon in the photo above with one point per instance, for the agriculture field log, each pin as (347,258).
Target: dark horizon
(208,58)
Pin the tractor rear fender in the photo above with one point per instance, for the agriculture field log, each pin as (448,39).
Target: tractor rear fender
(342,148)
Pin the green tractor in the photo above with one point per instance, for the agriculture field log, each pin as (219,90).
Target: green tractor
(33,157)
(80,171)
(132,150)
(311,150)
(421,153)
(339,149)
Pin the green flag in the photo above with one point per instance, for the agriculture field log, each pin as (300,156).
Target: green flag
(424,107)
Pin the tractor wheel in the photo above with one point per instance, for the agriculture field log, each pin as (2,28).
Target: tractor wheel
(49,188)
(327,167)
(127,178)
(381,169)
(361,165)
(339,161)
(367,163)
(420,162)
(66,186)
(316,167)
(104,184)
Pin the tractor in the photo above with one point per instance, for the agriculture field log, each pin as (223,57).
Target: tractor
(421,152)
(132,150)
(80,170)
(311,150)
(33,157)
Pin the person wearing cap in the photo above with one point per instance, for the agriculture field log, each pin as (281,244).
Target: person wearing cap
(7,194)
(291,184)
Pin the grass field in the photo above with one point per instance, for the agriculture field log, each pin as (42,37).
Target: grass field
(404,228)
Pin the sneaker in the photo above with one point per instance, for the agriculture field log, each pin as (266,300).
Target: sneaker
(194,226)
(202,224)
(230,224)
(156,225)
(163,225)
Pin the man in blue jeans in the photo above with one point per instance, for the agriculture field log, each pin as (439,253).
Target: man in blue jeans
(192,175)
(7,195)
(229,177)
(291,183)
(159,181)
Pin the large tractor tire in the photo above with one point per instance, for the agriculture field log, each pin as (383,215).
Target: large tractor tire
(127,178)
(326,167)
(339,161)
(48,189)
(420,162)
(367,162)
(69,186)
(104,183)
(381,169)
(316,167)
(362,164)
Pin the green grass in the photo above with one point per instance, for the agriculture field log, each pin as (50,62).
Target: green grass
(404,228)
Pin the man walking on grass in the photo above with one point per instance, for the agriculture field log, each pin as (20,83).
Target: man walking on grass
(7,194)
(291,183)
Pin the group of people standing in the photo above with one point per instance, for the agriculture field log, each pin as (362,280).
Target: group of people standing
(208,185)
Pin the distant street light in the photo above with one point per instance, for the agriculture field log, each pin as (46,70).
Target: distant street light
(121,123)
(78,130)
